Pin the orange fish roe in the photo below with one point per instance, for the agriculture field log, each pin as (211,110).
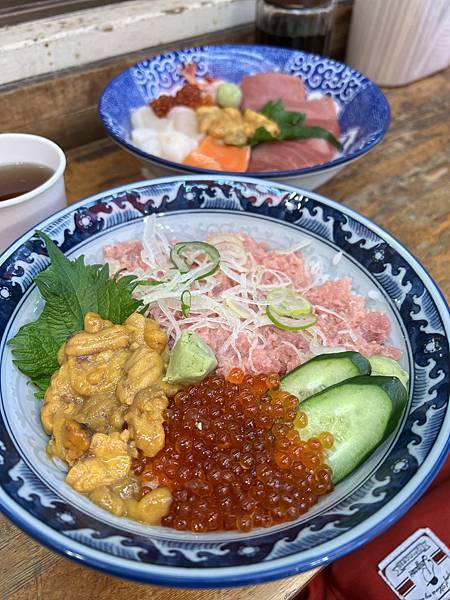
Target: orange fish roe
(232,457)
(189,95)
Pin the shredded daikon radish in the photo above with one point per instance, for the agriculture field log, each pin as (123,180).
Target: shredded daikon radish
(329,311)
(300,246)
(231,301)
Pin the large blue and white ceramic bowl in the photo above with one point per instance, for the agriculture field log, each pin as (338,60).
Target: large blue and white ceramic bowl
(33,493)
(363,110)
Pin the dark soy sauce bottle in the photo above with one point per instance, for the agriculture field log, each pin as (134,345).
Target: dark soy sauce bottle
(298,24)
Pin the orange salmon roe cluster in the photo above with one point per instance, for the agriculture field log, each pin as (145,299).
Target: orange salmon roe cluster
(189,95)
(232,457)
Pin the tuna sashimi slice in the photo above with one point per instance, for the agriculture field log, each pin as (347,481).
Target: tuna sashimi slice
(290,154)
(320,111)
(262,87)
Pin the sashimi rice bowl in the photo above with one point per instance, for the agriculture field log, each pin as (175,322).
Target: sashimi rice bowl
(245,109)
(213,384)
(265,123)
(215,381)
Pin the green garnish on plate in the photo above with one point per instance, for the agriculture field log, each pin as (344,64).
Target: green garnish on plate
(291,126)
(177,252)
(70,289)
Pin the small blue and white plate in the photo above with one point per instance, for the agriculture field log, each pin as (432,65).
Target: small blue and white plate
(364,114)
(33,493)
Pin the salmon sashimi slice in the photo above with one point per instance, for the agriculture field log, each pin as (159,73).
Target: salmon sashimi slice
(218,157)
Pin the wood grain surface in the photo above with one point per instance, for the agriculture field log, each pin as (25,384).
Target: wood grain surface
(403,185)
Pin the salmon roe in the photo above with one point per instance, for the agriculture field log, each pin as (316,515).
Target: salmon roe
(189,95)
(232,457)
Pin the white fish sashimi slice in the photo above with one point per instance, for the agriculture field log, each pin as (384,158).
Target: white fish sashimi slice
(144,117)
(152,146)
(172,138)
(184,120)
(176,145)
(141,134)
(162,125)
(147,140)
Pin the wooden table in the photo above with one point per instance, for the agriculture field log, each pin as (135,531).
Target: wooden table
(403,185)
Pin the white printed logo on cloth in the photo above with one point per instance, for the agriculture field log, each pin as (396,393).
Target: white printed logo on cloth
(418,569)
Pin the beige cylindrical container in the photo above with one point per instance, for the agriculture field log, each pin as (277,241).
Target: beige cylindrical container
(395,42)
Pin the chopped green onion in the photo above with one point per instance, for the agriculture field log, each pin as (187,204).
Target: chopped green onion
(288,303)
(186,300)
(143,309)
(150,282)
(291,323)
(181,264)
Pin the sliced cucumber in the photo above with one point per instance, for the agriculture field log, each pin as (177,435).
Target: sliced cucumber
(381,365)
(360,413)
(322,371)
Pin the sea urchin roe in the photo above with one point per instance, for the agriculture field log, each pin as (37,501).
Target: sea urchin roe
(232,457)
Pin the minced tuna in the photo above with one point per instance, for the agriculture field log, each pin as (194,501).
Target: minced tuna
(343,320)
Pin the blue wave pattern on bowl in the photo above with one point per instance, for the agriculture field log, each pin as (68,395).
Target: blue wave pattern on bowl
(364,112)
(423,424)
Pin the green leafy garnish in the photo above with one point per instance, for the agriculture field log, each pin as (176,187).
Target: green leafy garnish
(151,282)
(287,120)
(70,289)
(291,126)
(186,300)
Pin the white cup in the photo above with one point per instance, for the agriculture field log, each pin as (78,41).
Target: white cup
(19,214)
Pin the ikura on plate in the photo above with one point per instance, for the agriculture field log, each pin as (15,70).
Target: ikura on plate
(232,457)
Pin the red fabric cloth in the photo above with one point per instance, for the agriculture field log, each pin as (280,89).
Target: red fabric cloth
(355,576)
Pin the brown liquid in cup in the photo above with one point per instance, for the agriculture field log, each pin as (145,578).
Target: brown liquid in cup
(20,178)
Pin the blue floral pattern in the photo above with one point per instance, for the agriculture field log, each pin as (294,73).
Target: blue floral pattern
(400,476)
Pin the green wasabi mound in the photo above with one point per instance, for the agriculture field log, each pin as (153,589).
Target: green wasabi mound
(228,95)
(191,360)
(381,365)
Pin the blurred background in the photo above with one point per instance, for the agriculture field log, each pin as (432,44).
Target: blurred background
(56,56)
